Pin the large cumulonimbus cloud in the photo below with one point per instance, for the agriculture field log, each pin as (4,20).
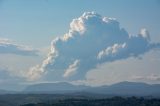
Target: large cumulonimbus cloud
(91,40)
(9,47)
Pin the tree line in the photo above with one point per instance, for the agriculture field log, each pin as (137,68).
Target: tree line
(114,101)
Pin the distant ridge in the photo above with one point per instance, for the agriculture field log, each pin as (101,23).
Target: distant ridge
(119,89)
(61,87)
(129,89)
(7,92)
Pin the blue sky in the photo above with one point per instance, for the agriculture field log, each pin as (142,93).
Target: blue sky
(29,26)
(27,20)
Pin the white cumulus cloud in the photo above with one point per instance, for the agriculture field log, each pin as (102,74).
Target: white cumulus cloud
(92,39)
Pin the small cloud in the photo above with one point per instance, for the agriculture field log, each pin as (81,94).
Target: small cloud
(71,69)
(9,47)
(145,34)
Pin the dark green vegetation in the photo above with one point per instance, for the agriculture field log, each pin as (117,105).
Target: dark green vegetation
(115,101)
(19,99)
(75,100)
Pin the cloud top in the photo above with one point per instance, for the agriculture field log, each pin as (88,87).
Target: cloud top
(92,40)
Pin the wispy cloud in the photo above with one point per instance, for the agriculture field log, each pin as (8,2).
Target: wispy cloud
(9,47)
(152,77)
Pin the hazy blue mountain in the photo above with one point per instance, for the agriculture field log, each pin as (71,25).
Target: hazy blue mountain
(128,89)
(3,91)
(122,89)
(61,87)
(7,92)
(119,89)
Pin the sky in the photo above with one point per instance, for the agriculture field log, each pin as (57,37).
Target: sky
(80,41)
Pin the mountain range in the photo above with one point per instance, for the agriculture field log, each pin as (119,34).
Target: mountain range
(118,89)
